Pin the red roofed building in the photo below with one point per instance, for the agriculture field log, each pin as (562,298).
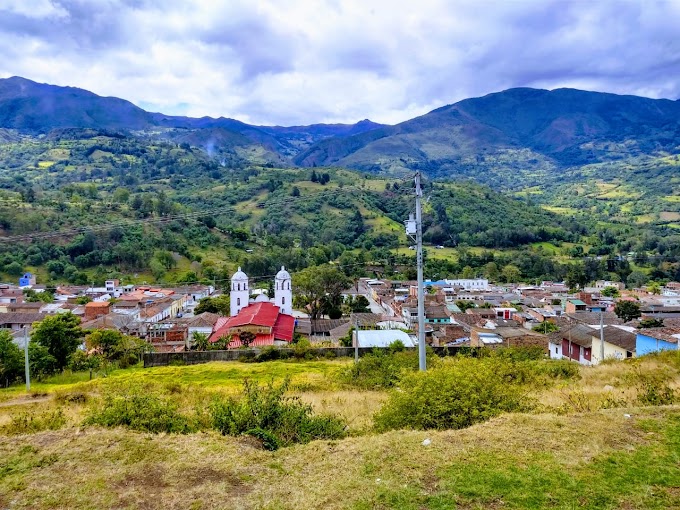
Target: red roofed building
(263,319)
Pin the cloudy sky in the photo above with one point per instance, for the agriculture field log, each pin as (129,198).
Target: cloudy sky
(303,61)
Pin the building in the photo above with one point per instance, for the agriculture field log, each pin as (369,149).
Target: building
(240,293)
(27,280)
(582,343)
(263,319)
(382,338)
(96,309)
(656,340)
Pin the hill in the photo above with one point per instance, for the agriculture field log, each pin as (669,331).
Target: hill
(212,210)
(536,129)
(37,108)
(599,447)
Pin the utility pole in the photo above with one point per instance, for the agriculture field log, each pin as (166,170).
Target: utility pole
(28,369)
(419,262)
(356,340)
(601,336)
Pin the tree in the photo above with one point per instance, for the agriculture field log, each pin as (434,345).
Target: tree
(654,288)
(511,273)
(14,269)
(576,276)
(650,323)
(627,310)
(610,292)
(246,338)
(636,279)
(358,304)
(464,305)
(218,304)
(317,287)
(107,341)
(199,341)
(41,363)
(60,334)
(295,192)
(11,359)
(545,327)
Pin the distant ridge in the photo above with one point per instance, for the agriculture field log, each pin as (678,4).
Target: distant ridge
(520,129)
(37,108)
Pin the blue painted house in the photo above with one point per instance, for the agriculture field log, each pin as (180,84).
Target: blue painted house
(656,340)
(27,280)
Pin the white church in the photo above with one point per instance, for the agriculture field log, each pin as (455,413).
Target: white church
(240,293)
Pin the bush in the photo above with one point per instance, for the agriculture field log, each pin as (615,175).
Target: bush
(269,353)
(32,422)
(303,349)
(138,410)
(653,388)
(457,394)
(381,369)
(265,412)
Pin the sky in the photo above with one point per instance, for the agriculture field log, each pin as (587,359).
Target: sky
(296,62)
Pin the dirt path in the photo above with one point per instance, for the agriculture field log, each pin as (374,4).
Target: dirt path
(25,400)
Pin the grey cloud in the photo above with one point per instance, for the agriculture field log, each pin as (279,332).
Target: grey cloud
(291,73)
(258,46)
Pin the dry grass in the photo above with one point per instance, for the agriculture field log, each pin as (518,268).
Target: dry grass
(356,408)
(537,460)
(101,469)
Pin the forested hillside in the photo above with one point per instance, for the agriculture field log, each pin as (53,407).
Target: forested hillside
(590,190)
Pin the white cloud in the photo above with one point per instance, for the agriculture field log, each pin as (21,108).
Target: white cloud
(298,62)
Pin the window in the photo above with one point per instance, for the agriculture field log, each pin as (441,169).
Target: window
(238,301)
(283,300)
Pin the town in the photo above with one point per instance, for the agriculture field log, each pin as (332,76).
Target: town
(458,313)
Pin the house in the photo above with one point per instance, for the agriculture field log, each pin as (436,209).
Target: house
(437,314)
(506,337)
(657,339)
(27,280)
(96,309)
(25,307)
(382,338)
(574,343)
(263,319)
(619,343)
(17,320)
(575,305)
(582,343)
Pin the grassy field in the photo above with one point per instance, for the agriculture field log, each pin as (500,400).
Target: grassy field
(569,453)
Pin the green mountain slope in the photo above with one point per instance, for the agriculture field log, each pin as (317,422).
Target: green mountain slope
(539,130)
(176,208)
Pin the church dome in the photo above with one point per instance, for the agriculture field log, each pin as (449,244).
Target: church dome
(283,274)
(239,276)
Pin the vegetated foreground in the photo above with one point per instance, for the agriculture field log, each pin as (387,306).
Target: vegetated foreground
(586,442)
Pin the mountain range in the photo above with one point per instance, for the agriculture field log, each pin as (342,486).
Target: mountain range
(530,131)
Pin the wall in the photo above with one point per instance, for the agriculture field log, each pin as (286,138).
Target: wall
(645,344)
(610,351)
(159,359)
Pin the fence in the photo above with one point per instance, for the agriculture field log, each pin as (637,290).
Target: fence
(160,359)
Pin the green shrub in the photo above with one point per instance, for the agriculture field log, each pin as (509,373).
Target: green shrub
(530,353)
(139,410)
(381,369)
(396,346)
(71,397)
(267,413)
(32,422)
(559,369)
(455,395)
(303,349)
(269,353)
(269,441)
